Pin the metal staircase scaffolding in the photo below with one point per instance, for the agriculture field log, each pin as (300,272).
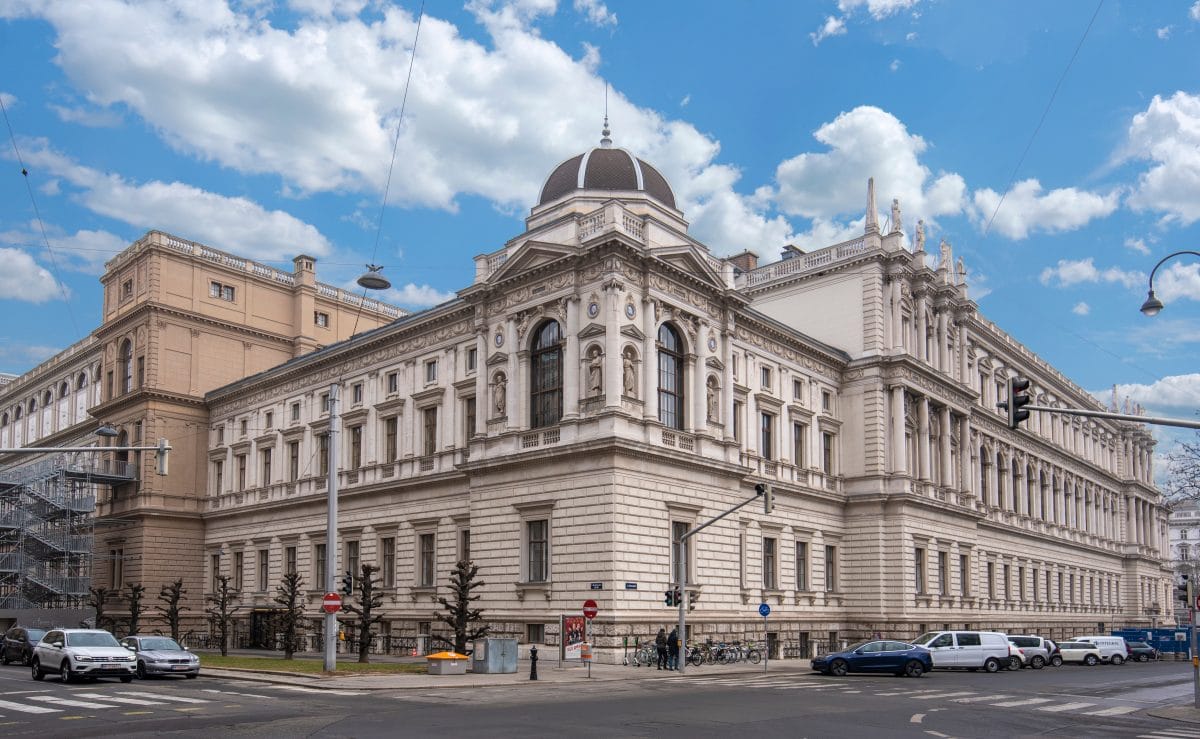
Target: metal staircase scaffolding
(46,524)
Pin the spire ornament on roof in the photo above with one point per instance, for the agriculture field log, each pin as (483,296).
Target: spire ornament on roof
(872,216)
(605,141)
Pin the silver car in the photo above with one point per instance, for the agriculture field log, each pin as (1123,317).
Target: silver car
(1035,651)
(161,655)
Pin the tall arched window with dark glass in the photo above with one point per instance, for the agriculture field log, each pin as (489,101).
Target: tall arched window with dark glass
(670,377)
(126,366)
(545,388)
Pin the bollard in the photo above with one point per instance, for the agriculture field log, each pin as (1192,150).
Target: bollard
(533,663)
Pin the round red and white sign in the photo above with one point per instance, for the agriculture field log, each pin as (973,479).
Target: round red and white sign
(332,602)
(589,609)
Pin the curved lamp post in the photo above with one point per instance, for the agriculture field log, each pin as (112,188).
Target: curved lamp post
(1153,305)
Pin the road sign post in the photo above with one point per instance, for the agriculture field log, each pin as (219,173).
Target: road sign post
(764,610)
(589,612)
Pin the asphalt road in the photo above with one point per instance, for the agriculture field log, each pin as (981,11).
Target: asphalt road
(1071,701)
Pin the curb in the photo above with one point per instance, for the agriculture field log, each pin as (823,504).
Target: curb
(1182,713)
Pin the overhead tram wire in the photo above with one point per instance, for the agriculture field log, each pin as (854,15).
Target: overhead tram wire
(373,267)
(38,216)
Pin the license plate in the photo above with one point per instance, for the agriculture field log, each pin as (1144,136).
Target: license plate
(109,666)
(179,667)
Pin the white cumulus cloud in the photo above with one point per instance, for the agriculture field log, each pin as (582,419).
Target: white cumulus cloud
(1167,134)
(833,26)
(1081,309)
(1027,209)
(596,12)
(1194,11)
(24,279)
(1178,280)
(879,9)
(1070,272)
(1138,245)
(1179,392)
(1164,33)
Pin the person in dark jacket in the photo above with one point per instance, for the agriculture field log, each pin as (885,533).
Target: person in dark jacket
(673,650)
(660,643)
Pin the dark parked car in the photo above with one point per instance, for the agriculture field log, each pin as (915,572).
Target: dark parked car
(1141,651)
(897,657)
(19,642)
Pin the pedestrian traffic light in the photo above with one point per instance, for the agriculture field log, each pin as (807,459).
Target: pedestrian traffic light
(348,583)
(1018,396)
(670,598)
(768,496)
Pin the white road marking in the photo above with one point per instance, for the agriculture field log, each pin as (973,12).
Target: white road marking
(156,696)
(916,718)
(68,702)
(233,692)
(1064,707)
(980,699)
(118,699)
(6,705)
(1022,702)
(945,695)
(1114,711)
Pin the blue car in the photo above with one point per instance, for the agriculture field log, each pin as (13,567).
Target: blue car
(897,657)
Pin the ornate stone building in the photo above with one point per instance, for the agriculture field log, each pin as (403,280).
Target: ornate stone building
(604,384)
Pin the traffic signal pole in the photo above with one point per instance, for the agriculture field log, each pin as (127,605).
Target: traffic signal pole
(331,628)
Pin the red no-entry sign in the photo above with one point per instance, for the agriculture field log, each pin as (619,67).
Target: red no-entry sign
(589,609)
(332,602)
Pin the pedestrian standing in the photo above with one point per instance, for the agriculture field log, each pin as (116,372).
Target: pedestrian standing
(673,650)
(660,644)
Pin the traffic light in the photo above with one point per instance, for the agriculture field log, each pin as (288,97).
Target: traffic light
(768,497)
(348,583)
(673,598)
(1018,396)
(161,458)
(1183,589)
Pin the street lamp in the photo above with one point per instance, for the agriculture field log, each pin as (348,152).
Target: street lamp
(1153,305)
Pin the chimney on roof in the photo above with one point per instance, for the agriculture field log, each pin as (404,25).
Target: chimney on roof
(744,262)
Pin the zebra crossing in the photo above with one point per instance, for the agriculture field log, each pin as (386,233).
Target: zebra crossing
(815,684)
(27,704)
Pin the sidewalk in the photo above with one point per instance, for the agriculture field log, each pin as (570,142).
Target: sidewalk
(548,672)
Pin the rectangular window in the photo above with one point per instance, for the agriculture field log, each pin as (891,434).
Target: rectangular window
(266,466)
(241,472)
(293,461)
(323,454)
(734,357)
(535,633)
(827,453)
(118,568)
(389,439)
(766,437)
(943,573)
(737,420)
(296,411)
(765,377)
(1007,582)
(991,579)
(1036,586)
(263,570)
(1060,587)
(221,434)
(1021,583)
(126,289)
(919,561)
(425,560)
(321,319)
(352,563)
(537,535)
(269,420)
(431,371)
(219,291)
(468,419)
(393,382)
(218,477)
(770,568)
(289,561)
(355,447)
(801,565)
(798,436)
(826,401)
(430,426)
(243,426)
(239,570)
(356,393)
(831,573)
(387,561)
(472,359)
(678,529)
(964,575)
(214,570)
(798,391)
(320,576)
(141,371)
(464,545)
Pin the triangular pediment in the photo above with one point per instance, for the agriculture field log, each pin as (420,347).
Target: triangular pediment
(632,331)
(530,256)
(590,330)
(689,260)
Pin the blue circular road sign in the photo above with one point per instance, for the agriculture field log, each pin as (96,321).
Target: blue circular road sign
(764,610)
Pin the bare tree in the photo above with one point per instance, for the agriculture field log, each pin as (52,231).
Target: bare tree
(135,596)
(98,598)
(172,597)
(290,594)
(222,610)
(370,598)
(1183,470)
(459,614)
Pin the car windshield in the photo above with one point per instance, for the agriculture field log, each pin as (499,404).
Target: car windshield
(92,639)
(924,637)
(161,643)
(35,634)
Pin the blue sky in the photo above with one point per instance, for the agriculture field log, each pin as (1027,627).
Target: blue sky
(266,129)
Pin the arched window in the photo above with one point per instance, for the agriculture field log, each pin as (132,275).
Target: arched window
(670,377)
(1183,534)
(4,420)
(125,367)
(81,381)
(32,406)
(64,390)
(545,388)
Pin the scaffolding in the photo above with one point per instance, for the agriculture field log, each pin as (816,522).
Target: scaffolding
(46,522)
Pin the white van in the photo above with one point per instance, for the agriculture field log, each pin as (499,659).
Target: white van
(970,650)
(1113,649)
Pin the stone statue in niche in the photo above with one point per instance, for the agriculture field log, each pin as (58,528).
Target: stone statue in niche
(711,399)
(629,375)
(595,372)
(499,390)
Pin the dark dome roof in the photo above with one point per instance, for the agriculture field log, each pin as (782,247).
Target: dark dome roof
(606,168)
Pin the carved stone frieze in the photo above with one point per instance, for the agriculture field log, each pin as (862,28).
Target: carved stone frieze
(781,350)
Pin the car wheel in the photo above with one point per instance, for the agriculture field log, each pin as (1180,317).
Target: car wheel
(27,658)
(914,669)
(127,678)
(991,664)
(1038,662)
(1090,660)
(141,670)
(37,670)
(64,672)
(4,657)
(1014,663)
(1056,661)
(839,668)
(1118,659)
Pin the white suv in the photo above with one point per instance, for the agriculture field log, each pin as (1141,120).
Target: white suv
(82,653)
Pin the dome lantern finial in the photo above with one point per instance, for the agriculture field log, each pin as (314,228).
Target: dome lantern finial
(605,141)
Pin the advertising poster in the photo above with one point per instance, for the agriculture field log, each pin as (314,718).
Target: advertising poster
(574,632)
